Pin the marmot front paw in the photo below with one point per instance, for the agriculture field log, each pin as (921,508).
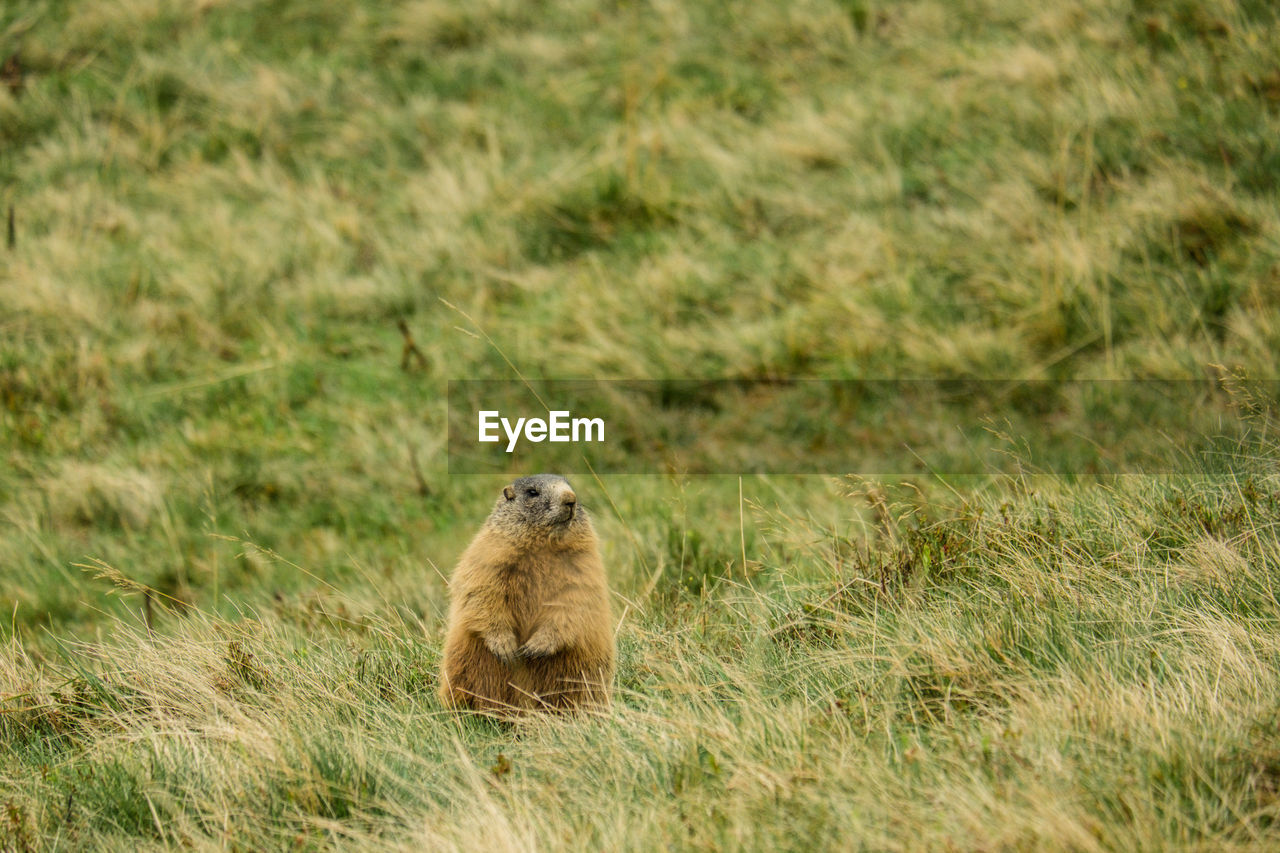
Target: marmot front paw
(537,647)
(503,646)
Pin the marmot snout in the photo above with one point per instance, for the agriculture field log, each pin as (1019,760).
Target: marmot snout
(529,619)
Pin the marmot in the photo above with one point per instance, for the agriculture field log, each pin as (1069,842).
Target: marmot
(529,622)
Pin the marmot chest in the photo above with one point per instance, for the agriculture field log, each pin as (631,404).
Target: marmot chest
(535,585)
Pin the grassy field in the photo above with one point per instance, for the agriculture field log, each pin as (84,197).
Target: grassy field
(225,508)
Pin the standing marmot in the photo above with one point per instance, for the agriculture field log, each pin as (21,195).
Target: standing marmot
(529,610)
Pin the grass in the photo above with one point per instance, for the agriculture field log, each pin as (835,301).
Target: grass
(226,508)
(1074,667)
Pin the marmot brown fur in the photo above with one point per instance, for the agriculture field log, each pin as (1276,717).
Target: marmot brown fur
(529,619)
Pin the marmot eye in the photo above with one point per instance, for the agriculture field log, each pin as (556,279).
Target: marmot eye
(533,493)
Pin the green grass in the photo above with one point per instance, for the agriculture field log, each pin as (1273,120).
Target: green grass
(1035,665)
(226,514)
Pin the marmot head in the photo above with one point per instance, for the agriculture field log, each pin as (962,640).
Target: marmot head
(545,505)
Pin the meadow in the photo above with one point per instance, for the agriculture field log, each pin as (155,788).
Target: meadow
(226,507)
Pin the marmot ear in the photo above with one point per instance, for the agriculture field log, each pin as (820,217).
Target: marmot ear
(509,493)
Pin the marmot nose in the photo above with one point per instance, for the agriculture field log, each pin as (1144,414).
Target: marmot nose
(568,498)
